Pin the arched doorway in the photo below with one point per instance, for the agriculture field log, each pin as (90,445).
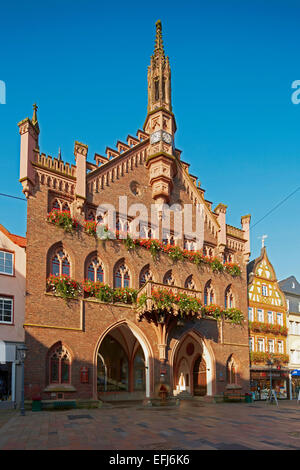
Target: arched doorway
(112,366)
(193,365)
(122,363)
(199,377)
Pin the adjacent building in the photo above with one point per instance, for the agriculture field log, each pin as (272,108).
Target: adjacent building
(92,340)
(12,312)
(291,289)
(267,314)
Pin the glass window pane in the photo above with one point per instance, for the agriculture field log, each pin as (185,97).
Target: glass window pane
(65,368)
(55,266)
(6,262)
(54,370)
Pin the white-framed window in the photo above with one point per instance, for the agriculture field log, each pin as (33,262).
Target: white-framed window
(251,344)
(261,344)
(298,306)
(270,317)
(288,305)
(280,319)
(250,314)
(260,315)
(264,290)
(6,309)
(297,329)
(292,327)
(6,263)
(280,346)
(271,345)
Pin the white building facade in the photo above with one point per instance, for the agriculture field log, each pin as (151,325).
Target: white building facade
(12,309)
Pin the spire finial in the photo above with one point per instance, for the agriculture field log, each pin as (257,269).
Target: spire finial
(59,154)
(34,116)
(159,47)
(263,240)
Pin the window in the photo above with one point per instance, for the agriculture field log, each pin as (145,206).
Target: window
(260,315)
(6,310)
(121,276)
(146,275)
(169,279)
(261,344)
(288,305)
(250,314)
(280,319)
(190,283)
(95,271)
(60,365)
(208,294)
(228,298)
(271,345)
(251,344)
(60,264)
(264,290)
(280,346)
(270,317)
(6,263)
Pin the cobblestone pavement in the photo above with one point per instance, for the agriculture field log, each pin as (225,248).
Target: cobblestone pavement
(191,426)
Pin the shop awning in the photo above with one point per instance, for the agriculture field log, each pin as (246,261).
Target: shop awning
(296,373)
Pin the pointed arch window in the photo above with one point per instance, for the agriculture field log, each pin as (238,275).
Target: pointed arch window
(209,295)
(146,275)
(60,366)
(169,278)
(66,207)
(121,276)
(95,271)
(60,263)
(55,204)
(228,298)
(190,283)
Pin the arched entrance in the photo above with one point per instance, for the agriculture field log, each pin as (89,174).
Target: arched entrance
(122,363)
(199,377)
(193,365)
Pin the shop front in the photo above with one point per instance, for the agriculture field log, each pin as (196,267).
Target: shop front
(260,383)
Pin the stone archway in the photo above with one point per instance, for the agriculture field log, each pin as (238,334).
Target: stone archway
(193,365)
(123,362)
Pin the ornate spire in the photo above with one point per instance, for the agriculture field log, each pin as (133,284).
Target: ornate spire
(159,46)
(159,75)
(34,116)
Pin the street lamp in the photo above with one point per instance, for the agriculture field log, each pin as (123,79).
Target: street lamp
(21,351)
(270,364)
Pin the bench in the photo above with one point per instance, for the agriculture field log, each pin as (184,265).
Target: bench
(64,404)
(233,397)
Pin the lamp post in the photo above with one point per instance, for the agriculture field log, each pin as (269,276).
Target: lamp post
(21,351)
(270,364)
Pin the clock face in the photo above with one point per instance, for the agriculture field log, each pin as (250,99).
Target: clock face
(167,137)
(155,137)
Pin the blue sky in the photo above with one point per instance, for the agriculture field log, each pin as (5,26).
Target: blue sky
(233,63)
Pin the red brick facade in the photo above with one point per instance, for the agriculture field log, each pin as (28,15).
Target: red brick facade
(81,325)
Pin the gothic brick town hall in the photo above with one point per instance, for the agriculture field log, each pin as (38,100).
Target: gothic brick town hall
(143,317)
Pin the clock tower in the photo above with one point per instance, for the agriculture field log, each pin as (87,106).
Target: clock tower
(160,123)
